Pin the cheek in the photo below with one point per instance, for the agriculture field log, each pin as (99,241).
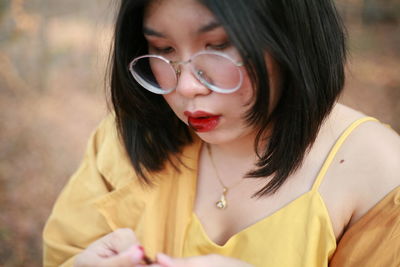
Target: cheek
(246,93)
(170,101)
(163,75)
(174,104)
(241,101)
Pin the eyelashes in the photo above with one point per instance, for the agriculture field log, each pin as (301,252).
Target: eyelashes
(166,50)
(161,50)
(220,46)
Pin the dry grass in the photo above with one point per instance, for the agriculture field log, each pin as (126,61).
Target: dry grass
(52,96)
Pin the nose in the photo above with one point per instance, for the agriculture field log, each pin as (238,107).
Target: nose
(188,85)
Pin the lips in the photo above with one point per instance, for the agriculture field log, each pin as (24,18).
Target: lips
(201,121)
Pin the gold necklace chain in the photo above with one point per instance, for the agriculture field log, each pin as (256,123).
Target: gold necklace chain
(222,202)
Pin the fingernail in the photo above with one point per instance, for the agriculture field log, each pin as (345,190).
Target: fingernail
(137,254)
(164,259)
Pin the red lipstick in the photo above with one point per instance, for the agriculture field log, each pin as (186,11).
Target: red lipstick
(201,121)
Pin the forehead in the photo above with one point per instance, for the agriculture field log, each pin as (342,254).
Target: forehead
(176,13)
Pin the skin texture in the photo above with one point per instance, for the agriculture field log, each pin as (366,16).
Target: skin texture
(119,248)
(365,169)
(190,95)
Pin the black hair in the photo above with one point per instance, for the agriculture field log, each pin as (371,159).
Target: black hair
(305,37)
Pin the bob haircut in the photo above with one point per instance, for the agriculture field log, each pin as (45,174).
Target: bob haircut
(305,37)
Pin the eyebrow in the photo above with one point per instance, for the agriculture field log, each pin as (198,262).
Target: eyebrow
(151,32)
(209,27)
(203,29)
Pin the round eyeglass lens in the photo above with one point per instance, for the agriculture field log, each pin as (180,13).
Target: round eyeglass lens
(154,73)
(218,72)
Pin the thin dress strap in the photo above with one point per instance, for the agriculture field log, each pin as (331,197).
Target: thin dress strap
(336,148)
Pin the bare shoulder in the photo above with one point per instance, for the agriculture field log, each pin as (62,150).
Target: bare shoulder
(369,163)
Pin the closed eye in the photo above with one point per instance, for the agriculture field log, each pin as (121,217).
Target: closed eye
(161,50)
(220,46)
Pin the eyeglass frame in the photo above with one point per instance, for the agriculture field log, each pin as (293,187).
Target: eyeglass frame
(176,64)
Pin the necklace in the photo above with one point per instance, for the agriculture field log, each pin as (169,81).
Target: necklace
(222,202)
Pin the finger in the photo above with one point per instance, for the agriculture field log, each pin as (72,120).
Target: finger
(167,261)
(131,257)
(121,239)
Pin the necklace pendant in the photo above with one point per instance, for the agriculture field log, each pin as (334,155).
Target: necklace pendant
(221,203)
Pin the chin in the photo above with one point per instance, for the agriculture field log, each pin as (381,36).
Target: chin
(217,138)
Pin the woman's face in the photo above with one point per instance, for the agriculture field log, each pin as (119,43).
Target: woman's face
(177,29)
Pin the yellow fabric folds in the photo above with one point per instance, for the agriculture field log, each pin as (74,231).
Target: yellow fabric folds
(105,194)
(375,239)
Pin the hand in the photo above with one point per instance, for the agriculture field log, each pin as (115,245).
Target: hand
(211,260)
(120,248)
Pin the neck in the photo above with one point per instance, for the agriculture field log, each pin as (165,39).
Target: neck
(234,151)
(234,158)
(241,148)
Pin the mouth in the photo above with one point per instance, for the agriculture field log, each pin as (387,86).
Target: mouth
(201,121)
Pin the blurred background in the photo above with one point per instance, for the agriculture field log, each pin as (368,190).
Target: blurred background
(52,94)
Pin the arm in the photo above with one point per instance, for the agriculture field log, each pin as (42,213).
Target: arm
(372,237)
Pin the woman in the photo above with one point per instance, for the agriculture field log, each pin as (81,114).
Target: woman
(227,147)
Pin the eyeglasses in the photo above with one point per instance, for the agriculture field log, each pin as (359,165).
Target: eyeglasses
(216,70)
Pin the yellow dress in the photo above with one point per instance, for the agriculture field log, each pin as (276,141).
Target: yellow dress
(299,234)
(105,194)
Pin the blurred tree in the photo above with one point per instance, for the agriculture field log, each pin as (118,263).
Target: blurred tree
(386,11)
(3,6)
(13,21)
